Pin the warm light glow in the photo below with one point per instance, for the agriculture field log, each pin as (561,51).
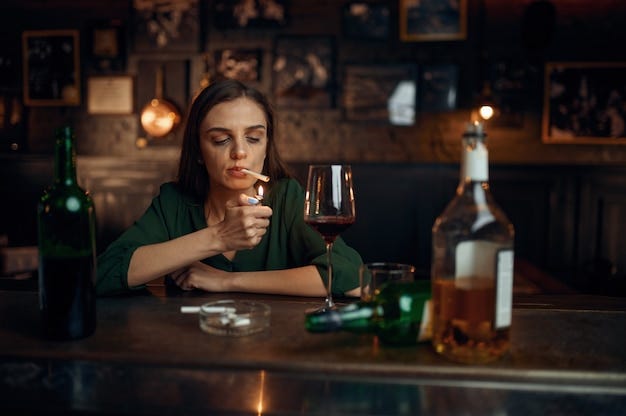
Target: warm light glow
(260,191)
(259,407)
(157,123)
(157,119)
(141,142)
(486,112)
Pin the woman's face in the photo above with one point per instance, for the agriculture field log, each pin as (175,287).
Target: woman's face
(233,135)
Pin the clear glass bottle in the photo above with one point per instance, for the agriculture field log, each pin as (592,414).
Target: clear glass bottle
(67,249)
(472,264)
(398,315)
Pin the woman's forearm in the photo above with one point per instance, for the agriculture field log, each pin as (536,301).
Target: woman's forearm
(156,260)
(301,281)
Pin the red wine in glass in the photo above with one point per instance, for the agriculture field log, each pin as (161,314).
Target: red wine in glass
(330,227)
(329,208)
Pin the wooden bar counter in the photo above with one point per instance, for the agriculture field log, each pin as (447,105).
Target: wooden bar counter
(568,357)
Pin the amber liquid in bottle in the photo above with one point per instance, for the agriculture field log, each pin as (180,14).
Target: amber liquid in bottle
(464,310)
(472,268)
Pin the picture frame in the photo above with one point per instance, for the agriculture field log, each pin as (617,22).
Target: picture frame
(51,67)
(384,93)
(584,103)
(243,14)
(303,71)
(366,20)
(166,26)
(241,64)
(508,80)
(107,46)
(110,94)
(439,86)
(433,20)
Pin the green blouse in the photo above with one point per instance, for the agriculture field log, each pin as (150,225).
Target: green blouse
(288,243)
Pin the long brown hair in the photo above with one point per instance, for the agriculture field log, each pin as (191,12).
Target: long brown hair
(192,174)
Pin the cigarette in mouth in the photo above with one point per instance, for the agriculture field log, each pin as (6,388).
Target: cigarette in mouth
(259,176)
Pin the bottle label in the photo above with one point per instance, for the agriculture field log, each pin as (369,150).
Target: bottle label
(475,164)
(426,324)
(476,258)
(485,268)
(504,289)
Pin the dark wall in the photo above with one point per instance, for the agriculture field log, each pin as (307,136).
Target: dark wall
(507,43)
(568,220)
(564,199)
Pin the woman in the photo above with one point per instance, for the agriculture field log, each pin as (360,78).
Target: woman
(203,231)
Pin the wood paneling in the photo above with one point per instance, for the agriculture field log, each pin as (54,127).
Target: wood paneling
(121,190)
(602,227)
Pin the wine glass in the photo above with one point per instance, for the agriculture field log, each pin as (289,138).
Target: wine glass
(329,209)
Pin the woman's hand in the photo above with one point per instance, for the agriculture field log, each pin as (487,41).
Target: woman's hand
(244,225)
(201,276)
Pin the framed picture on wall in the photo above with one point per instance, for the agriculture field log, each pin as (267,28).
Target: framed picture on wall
(438,87)
(366,20)
(241,14)
(584,103)
(110,94)
(241,64)
(166,26)
(383,93)
(432,20)
(303,71)
(51,65)
(509,87)
(106,46)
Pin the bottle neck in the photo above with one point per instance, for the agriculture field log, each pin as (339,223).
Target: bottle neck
(474,162)
(65,157)
(353,317)
(474,184)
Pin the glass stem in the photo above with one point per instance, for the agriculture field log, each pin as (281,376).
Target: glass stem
(329,284)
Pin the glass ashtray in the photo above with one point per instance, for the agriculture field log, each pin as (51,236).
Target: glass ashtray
(234,317)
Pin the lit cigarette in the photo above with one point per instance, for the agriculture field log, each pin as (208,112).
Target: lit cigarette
(259,176)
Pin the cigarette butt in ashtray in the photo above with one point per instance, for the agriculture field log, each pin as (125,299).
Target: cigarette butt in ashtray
(228,317)
(207,309)
(234,320)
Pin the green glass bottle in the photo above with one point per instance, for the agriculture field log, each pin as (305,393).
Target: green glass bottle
(397,314)
(67,249)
